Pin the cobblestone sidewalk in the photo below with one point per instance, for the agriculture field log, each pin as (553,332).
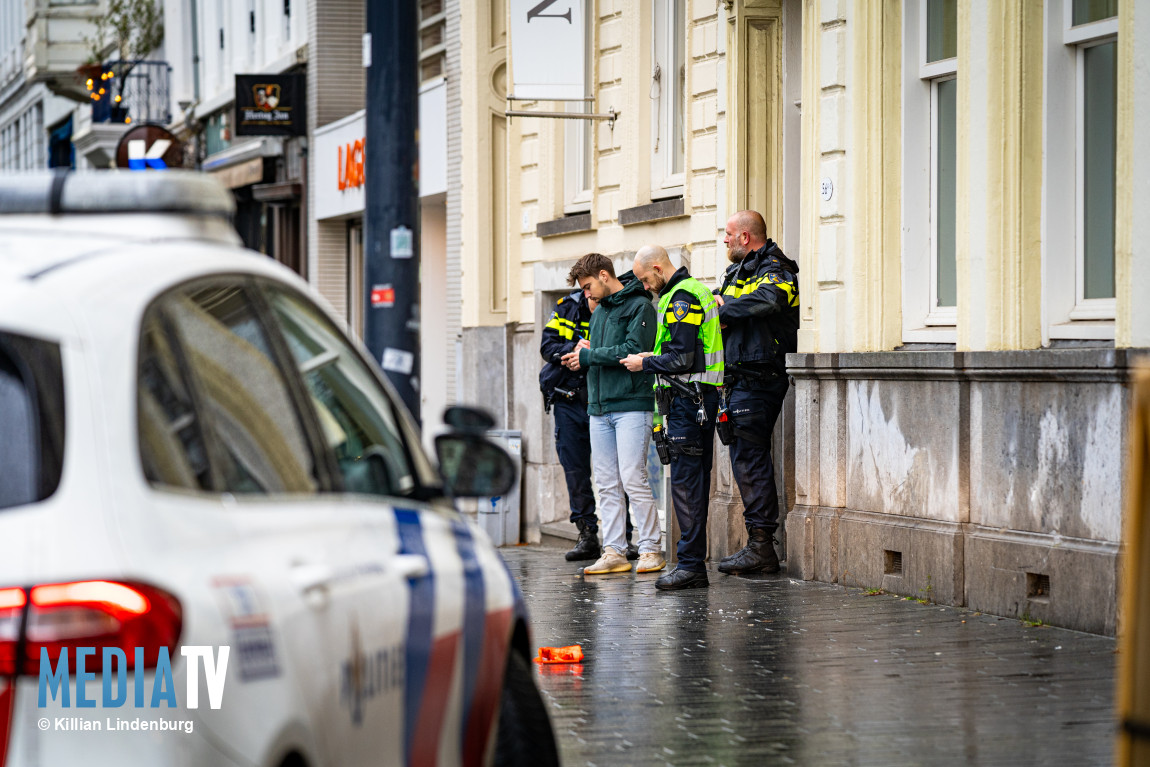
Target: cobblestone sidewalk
(768,670)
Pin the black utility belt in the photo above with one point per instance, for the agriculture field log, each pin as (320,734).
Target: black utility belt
(751,375)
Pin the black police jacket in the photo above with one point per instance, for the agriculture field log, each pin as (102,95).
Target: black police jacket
(568,324)
(760,310)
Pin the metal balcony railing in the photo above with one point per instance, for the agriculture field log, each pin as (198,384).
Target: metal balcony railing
(131,92)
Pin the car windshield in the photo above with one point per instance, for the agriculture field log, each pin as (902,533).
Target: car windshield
(31,419)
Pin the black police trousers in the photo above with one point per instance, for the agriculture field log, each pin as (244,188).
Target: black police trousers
(692,453)
(573,444)
(754,409)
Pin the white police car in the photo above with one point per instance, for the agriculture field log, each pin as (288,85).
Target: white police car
(220,540)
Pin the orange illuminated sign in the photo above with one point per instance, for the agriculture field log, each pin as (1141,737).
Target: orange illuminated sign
(350,167)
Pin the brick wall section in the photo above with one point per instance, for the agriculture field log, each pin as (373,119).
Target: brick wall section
(610,162)
(335,89)
(454,288)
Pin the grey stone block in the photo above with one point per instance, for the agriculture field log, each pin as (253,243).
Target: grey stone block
(483,376)
(902,555)
(903,447)
(1048,457)
(1002,569)
(800,549)
(832,441)
(826,564)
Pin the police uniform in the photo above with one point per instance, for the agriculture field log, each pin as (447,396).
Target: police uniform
(566,392)
(761,315)
(689,351)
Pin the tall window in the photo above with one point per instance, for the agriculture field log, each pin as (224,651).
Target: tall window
(668,97)
(1092,30)
(939,68)
(579,143)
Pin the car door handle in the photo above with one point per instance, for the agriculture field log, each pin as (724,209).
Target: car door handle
(308,577)
(410,566)
(313,577)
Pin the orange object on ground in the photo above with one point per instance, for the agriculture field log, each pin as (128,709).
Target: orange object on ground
(571,654)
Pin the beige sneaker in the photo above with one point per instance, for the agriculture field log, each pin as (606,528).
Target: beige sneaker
(650,563)
(611,562)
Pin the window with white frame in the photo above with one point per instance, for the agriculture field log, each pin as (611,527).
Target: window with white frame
(579,135)
(668,97)
(929,131)
(1093,31)
(940,69)
(1081,137)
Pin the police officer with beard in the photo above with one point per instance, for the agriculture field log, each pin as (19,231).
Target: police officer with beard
(759,313)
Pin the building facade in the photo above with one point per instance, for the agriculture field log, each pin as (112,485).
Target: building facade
(977,290)
(959,182)
(707,123)
(40,49)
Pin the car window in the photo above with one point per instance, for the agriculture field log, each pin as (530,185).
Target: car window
(245,399)
(31,419)
(354,412)
(172,448)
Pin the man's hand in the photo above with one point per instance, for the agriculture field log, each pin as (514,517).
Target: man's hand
(571,360)
(634,362)
(583,344)
(719,299)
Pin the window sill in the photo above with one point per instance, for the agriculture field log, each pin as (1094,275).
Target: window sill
(655,211)
(580,222)
(1099,330)
(930,335)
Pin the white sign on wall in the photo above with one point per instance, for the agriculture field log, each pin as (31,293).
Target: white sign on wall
(547,49)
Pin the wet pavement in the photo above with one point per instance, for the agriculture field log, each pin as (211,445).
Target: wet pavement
(767,670)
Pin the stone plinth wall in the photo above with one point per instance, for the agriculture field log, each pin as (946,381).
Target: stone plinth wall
(986,479)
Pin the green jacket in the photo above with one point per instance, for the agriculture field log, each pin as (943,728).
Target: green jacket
(623,324)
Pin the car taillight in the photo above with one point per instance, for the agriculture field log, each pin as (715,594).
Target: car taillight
(94,614)
(12,603)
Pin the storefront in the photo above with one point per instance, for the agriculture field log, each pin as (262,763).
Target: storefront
(337,211)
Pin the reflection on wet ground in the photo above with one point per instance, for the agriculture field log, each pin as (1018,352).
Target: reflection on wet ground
(769,670)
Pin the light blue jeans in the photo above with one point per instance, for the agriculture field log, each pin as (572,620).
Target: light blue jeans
(619,459)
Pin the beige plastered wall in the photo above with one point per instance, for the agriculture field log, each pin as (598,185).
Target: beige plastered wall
(999,187)
(850,146)
(851,251)
(488,258)
(621,169)
(1132,237)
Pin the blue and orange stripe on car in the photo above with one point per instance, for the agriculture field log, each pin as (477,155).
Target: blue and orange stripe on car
(430,664)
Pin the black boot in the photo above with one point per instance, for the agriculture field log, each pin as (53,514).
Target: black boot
(681,579)
(632,551)
(587,547)
(758,556)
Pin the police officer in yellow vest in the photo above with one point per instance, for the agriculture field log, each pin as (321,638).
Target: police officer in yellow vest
(688,361)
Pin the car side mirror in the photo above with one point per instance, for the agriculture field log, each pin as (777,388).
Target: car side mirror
(473,466)
(469,420)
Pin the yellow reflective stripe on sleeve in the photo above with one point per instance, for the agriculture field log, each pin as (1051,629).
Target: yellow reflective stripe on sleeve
(789,289)
(691,318)
(746,287)
(554,322)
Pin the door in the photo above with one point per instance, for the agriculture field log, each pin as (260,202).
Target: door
(305,586)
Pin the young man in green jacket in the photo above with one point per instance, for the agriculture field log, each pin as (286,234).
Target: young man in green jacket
(620,405)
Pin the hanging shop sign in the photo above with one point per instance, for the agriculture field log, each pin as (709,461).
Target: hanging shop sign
(149,146)
(547,50)
(271,105)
